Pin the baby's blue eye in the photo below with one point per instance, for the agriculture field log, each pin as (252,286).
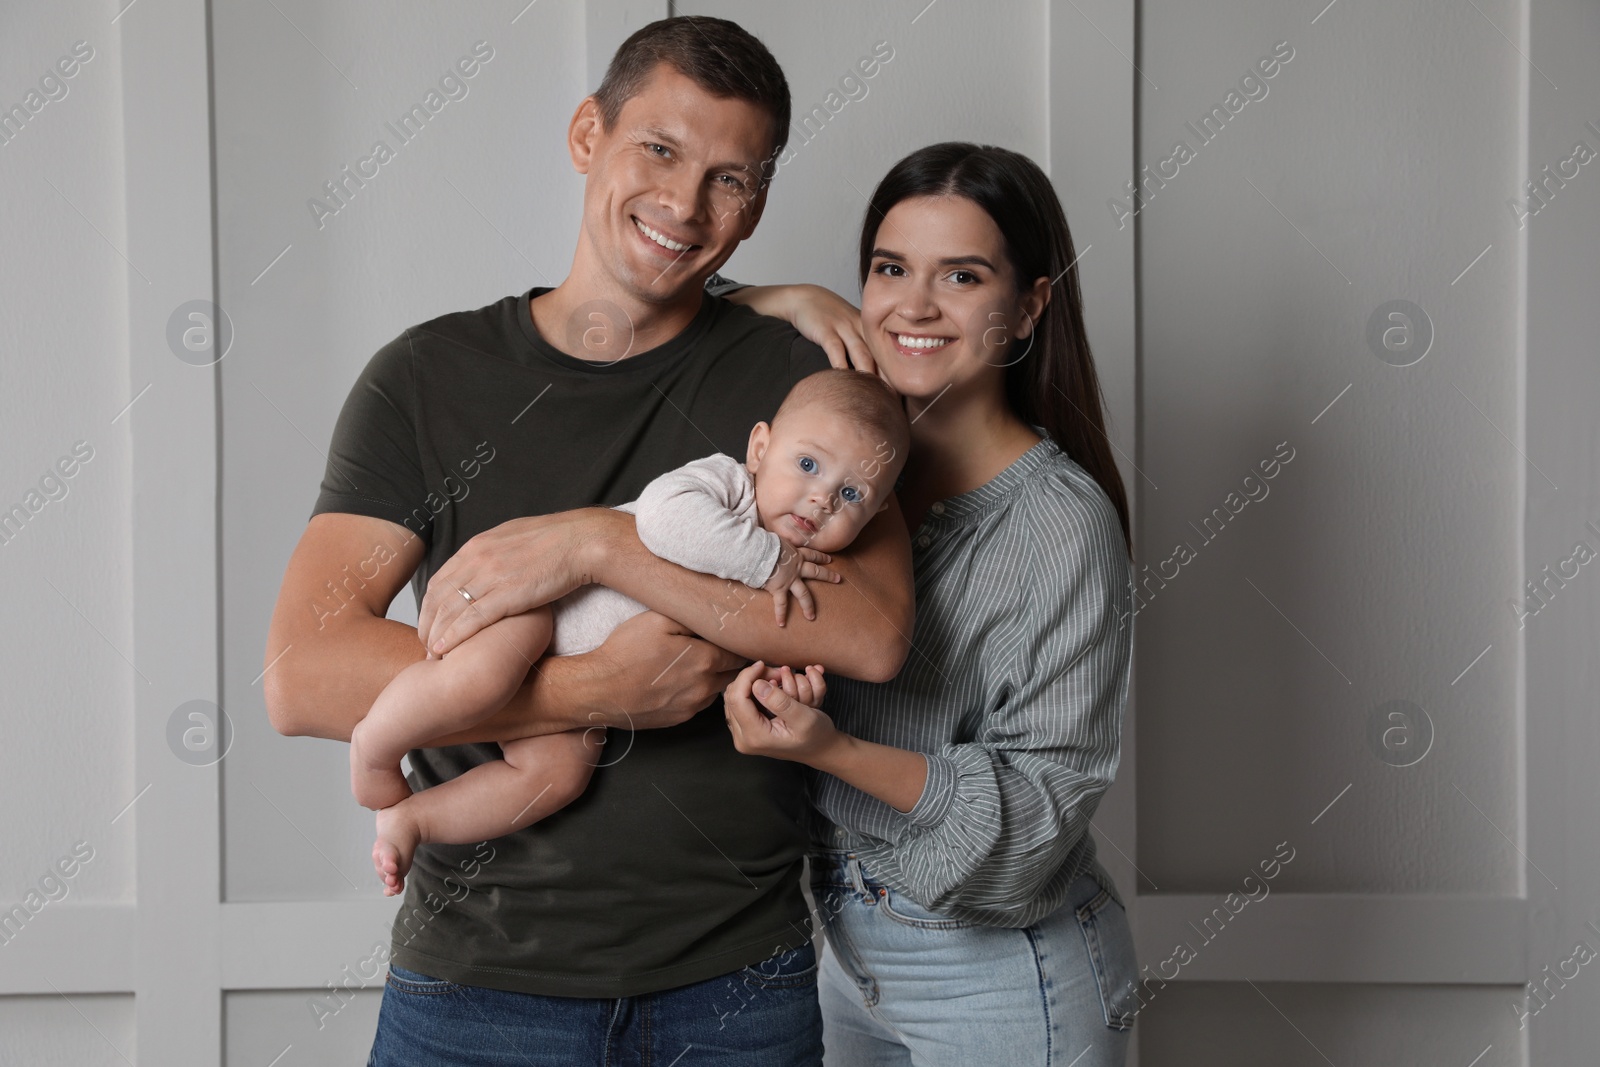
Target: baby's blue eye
(808,464)
(851,494)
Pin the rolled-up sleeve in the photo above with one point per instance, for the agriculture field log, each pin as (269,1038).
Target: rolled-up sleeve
(1000,814)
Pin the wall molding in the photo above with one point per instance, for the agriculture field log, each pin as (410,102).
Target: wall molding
(1337,937)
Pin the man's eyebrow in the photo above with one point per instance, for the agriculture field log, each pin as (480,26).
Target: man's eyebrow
(656,133)
(948,261)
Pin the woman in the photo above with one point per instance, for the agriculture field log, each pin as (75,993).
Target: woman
(967,919)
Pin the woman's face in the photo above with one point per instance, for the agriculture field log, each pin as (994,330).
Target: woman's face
(940,307)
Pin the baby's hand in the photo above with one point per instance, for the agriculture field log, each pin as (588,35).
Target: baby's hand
(795,565)
(808,688)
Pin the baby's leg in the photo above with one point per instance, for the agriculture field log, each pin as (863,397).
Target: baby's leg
(539,775)
(439,696)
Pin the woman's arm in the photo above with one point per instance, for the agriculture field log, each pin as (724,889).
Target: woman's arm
(799,731)
(994,818)
(821,315)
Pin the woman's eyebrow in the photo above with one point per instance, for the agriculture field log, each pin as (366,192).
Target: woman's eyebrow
(948,261)
(966,261)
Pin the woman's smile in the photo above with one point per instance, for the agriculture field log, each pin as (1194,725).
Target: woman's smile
(914,344)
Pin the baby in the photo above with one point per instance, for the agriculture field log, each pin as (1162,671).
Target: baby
(810,482)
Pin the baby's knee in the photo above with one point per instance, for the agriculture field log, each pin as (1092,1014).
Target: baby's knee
(570,776)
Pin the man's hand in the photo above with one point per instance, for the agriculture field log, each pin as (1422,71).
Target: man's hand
(792,726)
(659,674)
(789,576)
(515,567)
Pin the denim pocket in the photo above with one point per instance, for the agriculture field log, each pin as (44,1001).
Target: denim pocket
(1110,942)
(788,969)
(902,909)
(421,985)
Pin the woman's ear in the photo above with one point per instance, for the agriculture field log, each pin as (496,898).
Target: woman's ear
(1034,300)
(760,437)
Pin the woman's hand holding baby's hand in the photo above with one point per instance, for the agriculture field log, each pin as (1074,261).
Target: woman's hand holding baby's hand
(793,727)
(795,565)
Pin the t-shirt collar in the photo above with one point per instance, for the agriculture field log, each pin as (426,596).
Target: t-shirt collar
(634,363)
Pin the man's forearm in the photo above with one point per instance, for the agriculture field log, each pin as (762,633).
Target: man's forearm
(331,680)
(325,680)
(863,624)
(555,696)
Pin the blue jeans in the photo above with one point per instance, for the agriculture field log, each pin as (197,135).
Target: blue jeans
(902,986)
(764,1015)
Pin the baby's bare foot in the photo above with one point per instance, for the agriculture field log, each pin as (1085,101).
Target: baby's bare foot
(398,835)
(375,787)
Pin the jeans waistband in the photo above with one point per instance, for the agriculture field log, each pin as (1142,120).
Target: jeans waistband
(844,867)
(824,859)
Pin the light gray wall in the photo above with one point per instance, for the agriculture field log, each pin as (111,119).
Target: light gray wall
(69,643)
(306,327)
(64,379)
(1377,566)
(960,72)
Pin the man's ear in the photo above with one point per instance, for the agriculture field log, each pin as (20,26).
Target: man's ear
(582,133)
(1033,301)
(760,438)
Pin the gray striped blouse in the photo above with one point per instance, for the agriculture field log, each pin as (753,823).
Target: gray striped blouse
(1014,691)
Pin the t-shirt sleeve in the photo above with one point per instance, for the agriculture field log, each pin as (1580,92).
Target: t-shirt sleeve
(805,357)
(717,285)
(373,463)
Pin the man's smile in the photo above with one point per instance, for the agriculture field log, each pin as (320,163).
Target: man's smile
(661,239)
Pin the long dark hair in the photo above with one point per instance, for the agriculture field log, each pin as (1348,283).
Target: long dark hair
(1054,386)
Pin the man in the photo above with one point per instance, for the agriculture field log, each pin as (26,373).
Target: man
(660,915)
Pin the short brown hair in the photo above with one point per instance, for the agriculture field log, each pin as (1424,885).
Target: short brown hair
(721,57)
(862,398)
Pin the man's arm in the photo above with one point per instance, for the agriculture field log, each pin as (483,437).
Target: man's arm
(863,624)
(330,652)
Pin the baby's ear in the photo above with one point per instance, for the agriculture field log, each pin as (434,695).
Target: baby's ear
(760,437)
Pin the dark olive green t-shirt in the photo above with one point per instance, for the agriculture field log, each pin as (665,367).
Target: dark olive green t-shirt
(682,860)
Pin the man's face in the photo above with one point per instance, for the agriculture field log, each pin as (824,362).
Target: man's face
(673,186)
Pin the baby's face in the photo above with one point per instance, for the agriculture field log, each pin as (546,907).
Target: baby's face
(819,477)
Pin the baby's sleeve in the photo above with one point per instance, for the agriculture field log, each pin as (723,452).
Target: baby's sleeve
(703,516)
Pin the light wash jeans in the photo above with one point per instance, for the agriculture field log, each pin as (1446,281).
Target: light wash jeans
(902,986)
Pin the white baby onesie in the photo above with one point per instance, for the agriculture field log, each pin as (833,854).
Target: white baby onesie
(701,516)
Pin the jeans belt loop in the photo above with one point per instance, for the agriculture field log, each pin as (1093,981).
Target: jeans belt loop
(856,879)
